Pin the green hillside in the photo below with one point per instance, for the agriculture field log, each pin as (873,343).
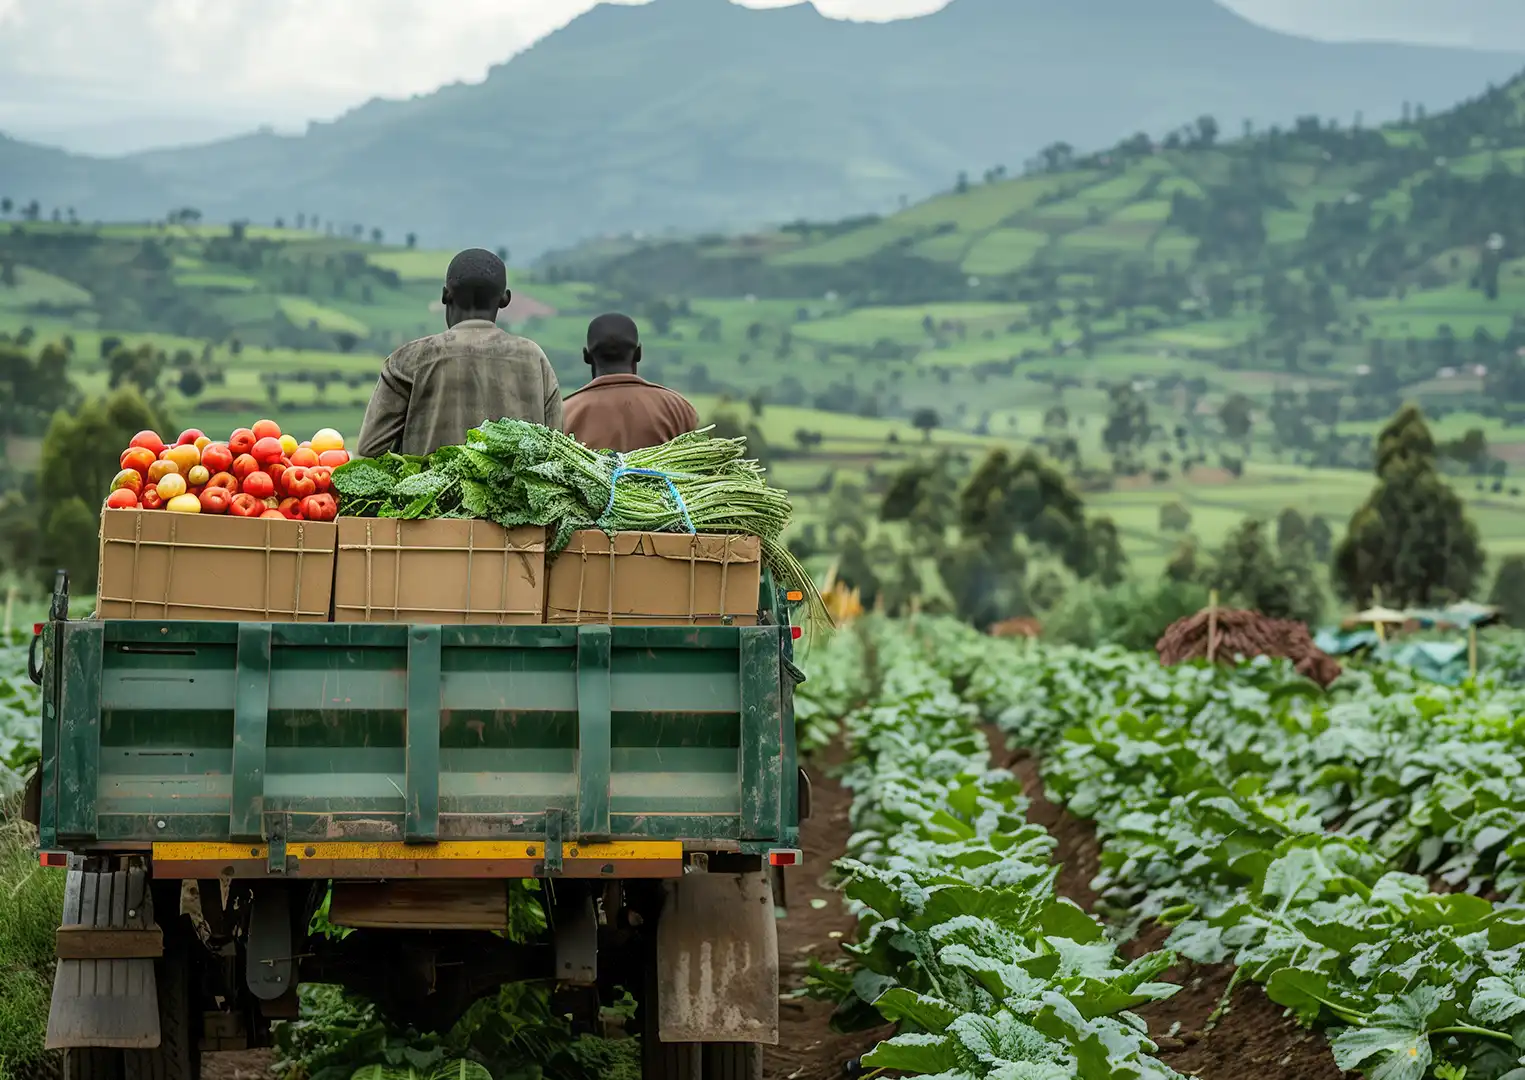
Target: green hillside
(1217,324)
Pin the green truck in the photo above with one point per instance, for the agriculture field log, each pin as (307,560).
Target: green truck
(211,787)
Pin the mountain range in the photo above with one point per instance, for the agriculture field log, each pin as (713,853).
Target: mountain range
(698,114)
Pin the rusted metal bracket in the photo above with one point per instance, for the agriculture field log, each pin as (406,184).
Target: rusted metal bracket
(275,837)
(554,826)
(92,943)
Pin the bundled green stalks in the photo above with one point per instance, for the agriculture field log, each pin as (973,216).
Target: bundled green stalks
(517,473)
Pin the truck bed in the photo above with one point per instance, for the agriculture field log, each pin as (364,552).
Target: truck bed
(364,750)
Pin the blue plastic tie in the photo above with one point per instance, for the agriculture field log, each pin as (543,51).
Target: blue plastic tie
(656,474)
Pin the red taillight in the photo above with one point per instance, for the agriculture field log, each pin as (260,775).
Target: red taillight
(796,632)
(53,858)
(36,628)
(785,857)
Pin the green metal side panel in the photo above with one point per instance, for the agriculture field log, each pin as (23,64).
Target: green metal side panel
(251,718)
(79,729)
(423,746)
(47,824)
(203,731)
(594,720)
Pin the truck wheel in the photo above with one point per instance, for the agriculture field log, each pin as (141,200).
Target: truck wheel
(178,1055)
(92,1063)
(733,1061)
(660,1060)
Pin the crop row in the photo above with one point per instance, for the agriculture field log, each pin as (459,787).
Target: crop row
(1298,833)
(962,939)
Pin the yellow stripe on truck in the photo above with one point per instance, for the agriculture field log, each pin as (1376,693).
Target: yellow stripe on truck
(174,852)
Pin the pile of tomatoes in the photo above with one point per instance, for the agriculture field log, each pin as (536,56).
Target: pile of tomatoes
(258,472)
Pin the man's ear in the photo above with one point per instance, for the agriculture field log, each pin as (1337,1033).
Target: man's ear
(636,358)
(444,296)
(587,357)
(508,297)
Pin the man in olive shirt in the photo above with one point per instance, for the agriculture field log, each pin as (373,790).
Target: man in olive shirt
(432,391)
(619,410)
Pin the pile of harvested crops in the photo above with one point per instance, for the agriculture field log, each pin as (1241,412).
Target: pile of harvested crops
(1225,635)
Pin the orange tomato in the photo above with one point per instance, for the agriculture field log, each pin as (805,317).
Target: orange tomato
(274,515)
(224,480)
(304,456)
(160,469)
(137,457)
(291,509)
(333,458)
(259,484)
(267,429)
(189,436)
(122,499)
(323,477)
(267,450)
(243,465)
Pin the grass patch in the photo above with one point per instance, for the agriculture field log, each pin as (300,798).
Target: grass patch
(34,899)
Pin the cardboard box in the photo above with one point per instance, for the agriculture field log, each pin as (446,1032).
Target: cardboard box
(445,571)
(655,579)
(160,565)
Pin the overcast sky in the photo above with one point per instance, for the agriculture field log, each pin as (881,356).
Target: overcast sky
(115,75)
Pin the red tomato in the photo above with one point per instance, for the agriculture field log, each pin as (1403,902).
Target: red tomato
(291,508)
(259,484)
(323,476)
(267,429)
(297,482)
(224,480)
(241,441)
(304,456)
(276,469)
(274,515)
(122,499)
(150,499)
(267,451)
(333,458)
(243,465)
(320,508)
(137,457)
(189,436)
(245,505)
(215,500)
(129,480)
(217,457)
(149,441)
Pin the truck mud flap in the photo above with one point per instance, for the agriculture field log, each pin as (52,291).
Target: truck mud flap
(717,959)
(104,989)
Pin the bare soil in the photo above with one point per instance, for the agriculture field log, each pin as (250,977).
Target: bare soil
(1252,1037)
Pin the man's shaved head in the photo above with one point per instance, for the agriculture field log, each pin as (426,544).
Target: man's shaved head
(477,281)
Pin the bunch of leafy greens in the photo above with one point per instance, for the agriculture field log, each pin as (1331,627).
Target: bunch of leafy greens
(1275,826)
(513,472)
(962,939)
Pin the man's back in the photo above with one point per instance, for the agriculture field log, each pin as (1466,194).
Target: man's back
(432,391)
(625,412)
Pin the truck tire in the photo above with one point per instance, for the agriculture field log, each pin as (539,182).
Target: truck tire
(660,1060)
(733,1061)
(178,1055)
(92,1063)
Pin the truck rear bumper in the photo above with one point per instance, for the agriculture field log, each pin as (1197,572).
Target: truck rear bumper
(447,859)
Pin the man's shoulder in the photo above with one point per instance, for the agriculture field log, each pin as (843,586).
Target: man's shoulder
(457,338)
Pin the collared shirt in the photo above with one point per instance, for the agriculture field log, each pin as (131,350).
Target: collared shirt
(625,412)
(432,391)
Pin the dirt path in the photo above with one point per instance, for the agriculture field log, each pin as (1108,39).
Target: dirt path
(807,1047)
(1254,1037)
(239,1065)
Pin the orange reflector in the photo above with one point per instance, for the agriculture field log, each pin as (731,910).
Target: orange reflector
(794,596)
(796,632)
(785,857)
(53,858)
(37,628)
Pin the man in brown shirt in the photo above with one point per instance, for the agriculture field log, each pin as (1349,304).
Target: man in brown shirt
(619,410)
(432,391)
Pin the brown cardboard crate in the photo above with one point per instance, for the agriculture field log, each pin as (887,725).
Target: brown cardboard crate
(445,571)
(655,579)
(160,565)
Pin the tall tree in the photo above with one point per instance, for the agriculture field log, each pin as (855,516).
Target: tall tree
(1412,538)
